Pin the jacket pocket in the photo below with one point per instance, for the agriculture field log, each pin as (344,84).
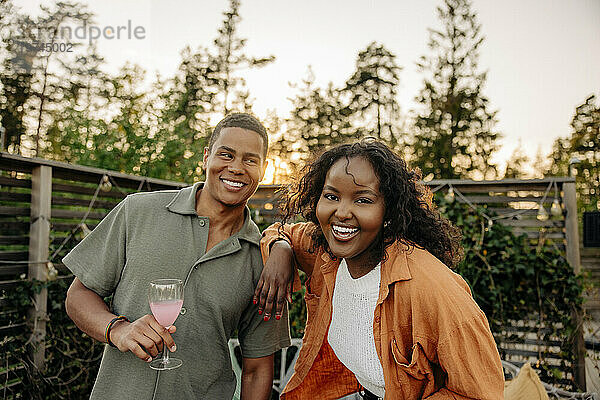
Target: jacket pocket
(417,367)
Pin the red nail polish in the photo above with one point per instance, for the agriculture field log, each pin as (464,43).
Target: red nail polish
(278,317)
(259,312)
(266,318)
(255,302)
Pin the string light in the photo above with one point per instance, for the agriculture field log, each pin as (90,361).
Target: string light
(84,229)
(542,215)
(449,197)
(105,185)
(51,271)
(556,209)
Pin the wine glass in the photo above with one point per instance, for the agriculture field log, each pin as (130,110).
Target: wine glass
(166,298)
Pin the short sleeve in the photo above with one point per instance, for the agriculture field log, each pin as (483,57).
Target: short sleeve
(259,338)
(100,257)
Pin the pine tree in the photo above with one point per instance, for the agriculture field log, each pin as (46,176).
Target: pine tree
(17,54)
(515,166)
(455,128)
(226,60)
(584,145)
(372,94)
(79,117)
(47,85)
(319,119)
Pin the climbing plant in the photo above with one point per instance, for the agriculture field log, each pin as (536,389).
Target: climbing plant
(513,279)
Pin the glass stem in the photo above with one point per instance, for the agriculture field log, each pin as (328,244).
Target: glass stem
(165,359)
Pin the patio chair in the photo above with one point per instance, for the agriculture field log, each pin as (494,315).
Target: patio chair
(511,371)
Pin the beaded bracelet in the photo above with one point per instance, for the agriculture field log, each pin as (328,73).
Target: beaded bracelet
(110,326)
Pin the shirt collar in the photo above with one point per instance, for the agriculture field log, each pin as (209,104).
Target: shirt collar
(184,202)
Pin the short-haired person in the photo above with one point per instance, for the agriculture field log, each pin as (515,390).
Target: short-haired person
(386,316)
(202,235)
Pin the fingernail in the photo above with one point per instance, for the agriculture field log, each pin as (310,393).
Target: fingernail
(255,302)
(173,348)
(259,312)
(148,359)
(266,318)
(278,317)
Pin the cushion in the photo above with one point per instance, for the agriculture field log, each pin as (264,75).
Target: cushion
(526,386)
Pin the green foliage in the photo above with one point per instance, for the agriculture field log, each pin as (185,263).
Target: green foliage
(513,279)
(318,120)
(455,129)
(68,109)
(72,358)
(584,144)
(372,93)
(365,106)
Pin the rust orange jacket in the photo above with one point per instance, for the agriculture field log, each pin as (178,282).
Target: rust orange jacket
(432,339)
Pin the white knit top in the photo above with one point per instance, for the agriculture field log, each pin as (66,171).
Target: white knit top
(351,330)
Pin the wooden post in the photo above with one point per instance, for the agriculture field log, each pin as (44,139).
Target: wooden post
(572,236)
(39,238)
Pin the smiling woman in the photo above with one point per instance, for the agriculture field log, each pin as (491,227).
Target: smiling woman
(385,313)
(350,212)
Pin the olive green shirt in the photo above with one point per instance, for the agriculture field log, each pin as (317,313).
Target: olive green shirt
(159,235)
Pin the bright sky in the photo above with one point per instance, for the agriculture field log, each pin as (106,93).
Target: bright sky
(543,56)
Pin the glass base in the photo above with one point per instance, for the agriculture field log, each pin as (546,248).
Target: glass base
(160,365)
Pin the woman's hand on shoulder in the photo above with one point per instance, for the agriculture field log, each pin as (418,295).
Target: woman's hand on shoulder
(275,282)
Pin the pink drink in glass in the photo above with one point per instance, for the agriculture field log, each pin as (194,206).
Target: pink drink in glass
(166,312)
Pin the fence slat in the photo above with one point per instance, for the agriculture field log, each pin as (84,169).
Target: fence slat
(14,255)
(62,187)
(67,214)
(14,239)
(15,197)
(13,182)
(68,201)
(14,211)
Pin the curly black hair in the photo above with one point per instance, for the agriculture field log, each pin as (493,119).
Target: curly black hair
(410,218)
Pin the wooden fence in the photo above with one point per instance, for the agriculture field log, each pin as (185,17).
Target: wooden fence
(46,207)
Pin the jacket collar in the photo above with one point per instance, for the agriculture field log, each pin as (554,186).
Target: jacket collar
(184,203)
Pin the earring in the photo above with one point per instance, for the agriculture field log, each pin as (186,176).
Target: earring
(387,223)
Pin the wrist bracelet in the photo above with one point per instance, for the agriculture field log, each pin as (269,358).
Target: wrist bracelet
(110,326)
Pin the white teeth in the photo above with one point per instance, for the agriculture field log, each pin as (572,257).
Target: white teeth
(234,184)
(343,230)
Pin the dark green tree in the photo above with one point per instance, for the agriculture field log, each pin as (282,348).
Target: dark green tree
(515,166)
(77,122)
(47,84)
(319,118)
(455,134)
(17,54)
(583,145)
(372,92)
(226,60)
(183,112)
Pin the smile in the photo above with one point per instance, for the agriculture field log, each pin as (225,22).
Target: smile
(233,184)
(343,233)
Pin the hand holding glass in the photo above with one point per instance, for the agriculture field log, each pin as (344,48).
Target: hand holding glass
(166,298)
